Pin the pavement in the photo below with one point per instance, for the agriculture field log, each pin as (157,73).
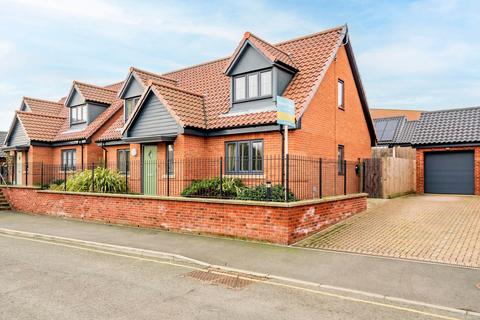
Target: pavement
(437,228)
(437,284)
(45,280)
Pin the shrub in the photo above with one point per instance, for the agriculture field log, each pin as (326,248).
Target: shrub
(259,193)
(105,181)
(210,188)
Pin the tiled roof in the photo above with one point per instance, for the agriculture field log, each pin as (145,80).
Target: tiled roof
(116,86)
(187,106)
(405,136)
(3,135)
(43,106)
(96,94)
(39,126)
(448,126)
(65,134)
(311,54)
(114,132)
(273,53)
(146,76)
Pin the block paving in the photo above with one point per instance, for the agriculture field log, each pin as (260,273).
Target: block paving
(435,228)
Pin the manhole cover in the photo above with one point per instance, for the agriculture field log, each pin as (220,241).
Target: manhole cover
(233,281)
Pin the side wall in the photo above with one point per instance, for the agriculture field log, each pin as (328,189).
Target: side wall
(421,165)
(278,223)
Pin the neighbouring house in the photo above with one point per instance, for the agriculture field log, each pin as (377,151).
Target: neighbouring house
(447,145)
(62,134)
(223,109)
(410,114)
(3,156)
(394,137)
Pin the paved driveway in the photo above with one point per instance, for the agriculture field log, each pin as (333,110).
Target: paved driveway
(438,228)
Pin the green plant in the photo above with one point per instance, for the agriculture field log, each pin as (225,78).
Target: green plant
(210,188)
(259,193)
(105,181)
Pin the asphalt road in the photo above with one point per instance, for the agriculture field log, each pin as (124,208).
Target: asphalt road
(41,280)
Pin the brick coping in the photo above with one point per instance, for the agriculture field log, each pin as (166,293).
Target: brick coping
(201,200)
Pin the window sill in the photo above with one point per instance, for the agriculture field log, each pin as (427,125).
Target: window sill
(245,175)
(170,176)
(253,99)
(77,122)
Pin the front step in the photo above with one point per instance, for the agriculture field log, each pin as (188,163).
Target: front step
(4,205)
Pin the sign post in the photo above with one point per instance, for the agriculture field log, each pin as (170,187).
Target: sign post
(286,117)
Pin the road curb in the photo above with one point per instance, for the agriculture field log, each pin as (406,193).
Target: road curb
(179,258)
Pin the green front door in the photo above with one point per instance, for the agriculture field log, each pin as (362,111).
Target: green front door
(150,170)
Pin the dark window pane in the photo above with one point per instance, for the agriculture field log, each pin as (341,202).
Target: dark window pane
(257,156)
(244,155)
(231,157)
(341,158)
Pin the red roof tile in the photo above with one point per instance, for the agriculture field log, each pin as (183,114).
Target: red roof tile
(40,126)
(43,106)
(311,54)
(66,134)
(95,93)
(188,107)
(114,132)
(273,53)
(146,76)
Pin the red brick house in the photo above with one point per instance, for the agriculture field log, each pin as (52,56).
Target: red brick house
(222,108)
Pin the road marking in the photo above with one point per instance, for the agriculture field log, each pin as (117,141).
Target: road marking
(283,285)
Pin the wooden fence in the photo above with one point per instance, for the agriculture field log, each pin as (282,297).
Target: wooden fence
(395,152)
(389,177)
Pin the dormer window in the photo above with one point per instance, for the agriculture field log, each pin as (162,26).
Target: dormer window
(130,106)
(255,85)
(78,114)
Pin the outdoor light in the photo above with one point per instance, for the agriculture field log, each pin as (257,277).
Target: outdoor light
(269,190)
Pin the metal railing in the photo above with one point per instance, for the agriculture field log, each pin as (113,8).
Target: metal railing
(272,178)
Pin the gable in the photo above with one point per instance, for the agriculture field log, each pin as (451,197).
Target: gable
(153,119)
(18,136)
(134,88)
(75,99)
(249,59)
(25,107)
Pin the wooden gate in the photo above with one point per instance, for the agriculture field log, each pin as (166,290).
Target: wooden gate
(372,177)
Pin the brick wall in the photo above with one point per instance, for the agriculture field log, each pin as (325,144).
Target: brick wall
(421,166)
(278,223)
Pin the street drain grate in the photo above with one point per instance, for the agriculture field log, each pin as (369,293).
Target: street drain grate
(232,281)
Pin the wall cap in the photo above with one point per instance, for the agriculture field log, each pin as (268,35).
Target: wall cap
(218,201)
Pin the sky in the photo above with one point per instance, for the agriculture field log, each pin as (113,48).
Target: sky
(411,54)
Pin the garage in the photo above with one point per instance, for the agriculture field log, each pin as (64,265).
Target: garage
(449,172)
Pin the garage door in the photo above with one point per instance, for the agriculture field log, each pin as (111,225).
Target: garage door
(449,172)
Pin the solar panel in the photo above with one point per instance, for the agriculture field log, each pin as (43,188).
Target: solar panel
(389,131)
(379,128)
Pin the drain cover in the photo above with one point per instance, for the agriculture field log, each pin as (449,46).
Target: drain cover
(233,281)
